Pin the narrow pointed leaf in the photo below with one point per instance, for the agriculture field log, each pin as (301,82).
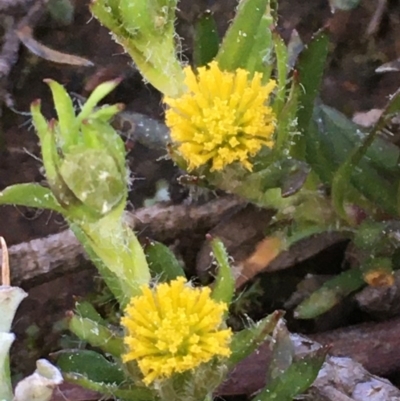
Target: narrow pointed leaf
(97,335)
(240,38)
(224,286)
(343,175)
(86,310)
(30,195)
(261,58)
(91,365)
(206,39)
(296,379)
(162,262)
(47,141)
(310,68)
(93,100)
(248,340)
(282,60)
(330,294)
(128,393)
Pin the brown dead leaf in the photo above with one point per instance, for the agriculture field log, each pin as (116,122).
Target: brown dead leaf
(266,250)
(25,36)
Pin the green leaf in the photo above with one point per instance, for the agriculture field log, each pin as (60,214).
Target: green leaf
(283,352)
(287,174)
(206,39)
(86,310)
(107,112)
(124,393)
(261,57)
(332,138)
(287,121)
(296,379)
(310,68)
(330,294)
(224,286)
(31,195)
(97,335)
(162,262)
(91,365)
(245,342)
(241,36)
(379,156)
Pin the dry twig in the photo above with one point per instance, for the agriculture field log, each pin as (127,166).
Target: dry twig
(40,260)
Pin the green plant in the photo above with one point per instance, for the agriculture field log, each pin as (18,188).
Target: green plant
(246,120)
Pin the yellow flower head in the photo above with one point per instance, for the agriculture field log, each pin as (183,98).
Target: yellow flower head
(174,328)
(223,117)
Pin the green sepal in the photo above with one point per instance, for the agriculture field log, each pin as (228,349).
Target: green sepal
(162,262)
(246,341)
(97,335)
(107,112)
(241,36)
(30,195)
(48,146)
(101,189)
(330,294)
(224,286)
(108,139)
(95,97)
(91,365)
(67,133)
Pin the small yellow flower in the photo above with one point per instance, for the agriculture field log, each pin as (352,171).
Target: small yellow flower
(174,328)
(223,117)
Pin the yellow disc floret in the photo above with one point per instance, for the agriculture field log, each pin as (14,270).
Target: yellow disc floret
(174,328)
(224,117)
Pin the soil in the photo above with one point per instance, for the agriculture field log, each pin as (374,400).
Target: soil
(350,85)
